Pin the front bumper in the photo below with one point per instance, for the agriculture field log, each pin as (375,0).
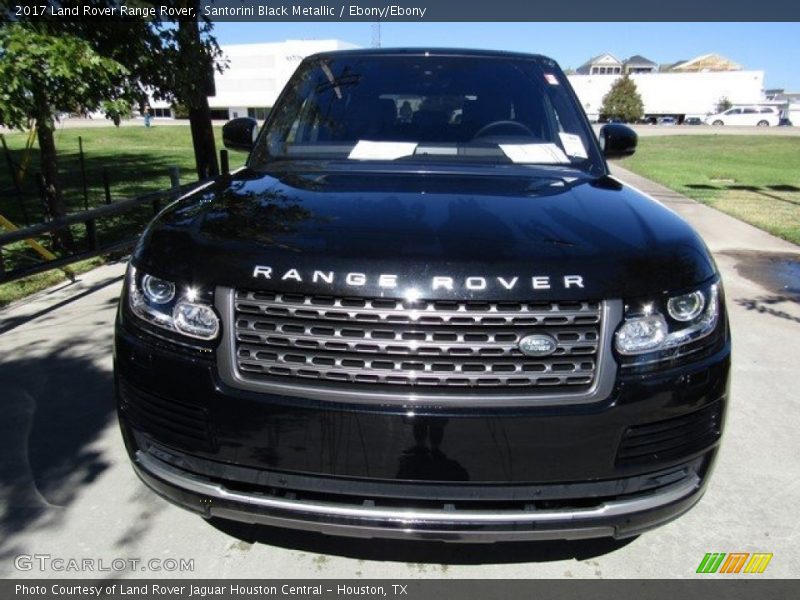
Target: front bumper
(427,473)
(614,518)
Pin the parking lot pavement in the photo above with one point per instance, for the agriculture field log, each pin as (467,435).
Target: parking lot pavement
(89,122)
(642,130)
(661,130)
(66,489)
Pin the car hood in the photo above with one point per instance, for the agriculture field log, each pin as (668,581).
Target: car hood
(337,230)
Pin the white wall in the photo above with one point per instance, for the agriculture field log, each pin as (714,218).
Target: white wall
(675,93)
(258,72)
(237,111)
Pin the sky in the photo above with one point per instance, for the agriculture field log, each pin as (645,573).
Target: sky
(770,47)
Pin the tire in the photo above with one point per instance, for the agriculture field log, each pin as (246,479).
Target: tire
(718,123)
(762,124)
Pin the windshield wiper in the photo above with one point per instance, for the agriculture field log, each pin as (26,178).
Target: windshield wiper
(342,81)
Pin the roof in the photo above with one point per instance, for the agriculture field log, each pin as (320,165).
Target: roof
(595,59)
(638,59)
(707,62)
(433,52)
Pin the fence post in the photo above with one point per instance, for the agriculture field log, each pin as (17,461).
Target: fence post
(175,177)
(15,180)
(175,183)
(91,234)
(83,174)
(43,197)
(223,160)
(106,185)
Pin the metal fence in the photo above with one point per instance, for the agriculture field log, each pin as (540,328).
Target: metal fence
(122,222)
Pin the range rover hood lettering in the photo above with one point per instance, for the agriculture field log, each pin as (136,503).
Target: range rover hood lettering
(446,235)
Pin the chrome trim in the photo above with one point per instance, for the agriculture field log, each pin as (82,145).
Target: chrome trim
(601,388)
(417,517)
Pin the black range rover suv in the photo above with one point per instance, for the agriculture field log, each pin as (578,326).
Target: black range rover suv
(424,309)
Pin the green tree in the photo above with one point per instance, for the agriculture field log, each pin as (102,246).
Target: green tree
(723,104)
(42,75)
(173,61)
(179,111)
(168,60)
(116,110)
(623,101)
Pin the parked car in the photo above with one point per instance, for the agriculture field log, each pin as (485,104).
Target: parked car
(424,328)
(667,121)
(762,116)
(693,121)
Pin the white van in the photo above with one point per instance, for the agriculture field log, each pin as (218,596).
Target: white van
(762,116)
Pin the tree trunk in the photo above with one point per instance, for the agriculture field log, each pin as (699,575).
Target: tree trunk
(49,164)
(205,150)
(48,157)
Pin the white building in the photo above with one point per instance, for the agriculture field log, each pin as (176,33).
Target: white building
(687,94)
(255,75)
(258,72)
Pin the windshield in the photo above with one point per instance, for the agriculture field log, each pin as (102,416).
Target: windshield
(429,108)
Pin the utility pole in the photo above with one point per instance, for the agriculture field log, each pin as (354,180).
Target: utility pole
(376,35)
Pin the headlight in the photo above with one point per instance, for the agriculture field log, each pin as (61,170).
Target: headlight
(196,320)
(646,329)
(687,307)
(157,291)
(159,302)
(641,334)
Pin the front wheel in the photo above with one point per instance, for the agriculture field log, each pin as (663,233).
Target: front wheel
(718,123)
(763,123)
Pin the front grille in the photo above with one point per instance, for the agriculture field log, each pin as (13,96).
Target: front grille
(172,422)
(423,344)
(672,438)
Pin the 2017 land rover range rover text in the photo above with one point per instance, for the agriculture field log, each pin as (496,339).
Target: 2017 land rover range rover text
(424,309)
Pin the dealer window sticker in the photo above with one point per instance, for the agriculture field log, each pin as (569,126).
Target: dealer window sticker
(366,150)
(551,79)
(573,145)
(549,154)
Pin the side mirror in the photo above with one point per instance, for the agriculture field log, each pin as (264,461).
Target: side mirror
(617,140)
(240,134)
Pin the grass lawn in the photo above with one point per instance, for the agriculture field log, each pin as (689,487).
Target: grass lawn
(137,160)
(755,178)
(20,288)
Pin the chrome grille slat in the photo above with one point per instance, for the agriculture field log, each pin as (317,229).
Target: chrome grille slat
(462,380)
(395,343)
(423,345)
(401,364)
(528,314)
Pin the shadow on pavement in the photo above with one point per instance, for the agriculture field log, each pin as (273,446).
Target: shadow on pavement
(761,190)
(412,551)
(55,404)
(770,305)
(778,272)
(8,324)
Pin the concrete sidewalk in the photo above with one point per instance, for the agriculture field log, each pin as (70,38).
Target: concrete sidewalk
(67,490)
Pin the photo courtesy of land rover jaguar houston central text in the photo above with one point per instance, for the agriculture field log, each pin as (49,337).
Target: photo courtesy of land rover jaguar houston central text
(424,309)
